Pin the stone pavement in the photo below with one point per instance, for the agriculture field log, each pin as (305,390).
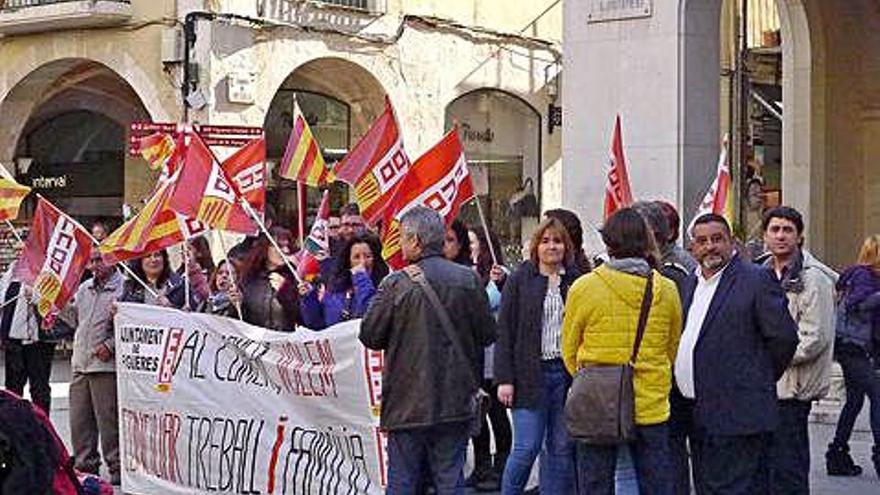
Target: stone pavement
(821,431)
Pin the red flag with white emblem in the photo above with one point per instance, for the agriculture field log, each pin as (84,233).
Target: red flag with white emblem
(203,192)
(375,165)
(617,191)
(55,255)
(439,180)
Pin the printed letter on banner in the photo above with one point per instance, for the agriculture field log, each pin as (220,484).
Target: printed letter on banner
(212,404)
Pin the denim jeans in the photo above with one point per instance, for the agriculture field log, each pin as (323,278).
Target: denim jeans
(436,451)
(596,463)
(860,379)
(790,453)
(626,481)
(544,426)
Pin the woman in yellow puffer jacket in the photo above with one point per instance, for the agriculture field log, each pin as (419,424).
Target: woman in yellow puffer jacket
(601,316)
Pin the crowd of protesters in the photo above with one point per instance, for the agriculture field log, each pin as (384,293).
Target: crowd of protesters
(727,354)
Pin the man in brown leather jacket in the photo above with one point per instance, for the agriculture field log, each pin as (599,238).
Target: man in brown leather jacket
(428,381)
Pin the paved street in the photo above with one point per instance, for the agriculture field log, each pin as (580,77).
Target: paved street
(821,432)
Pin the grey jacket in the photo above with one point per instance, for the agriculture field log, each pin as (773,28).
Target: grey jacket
(811,305)
(426,381)
(90,313)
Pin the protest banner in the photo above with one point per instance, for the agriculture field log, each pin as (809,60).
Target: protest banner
(212,404)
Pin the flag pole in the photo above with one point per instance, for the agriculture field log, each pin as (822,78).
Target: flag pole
(231,269)
(253,214)
(97,243)
(301,204)
(14,232)
(486,230)
(186,288)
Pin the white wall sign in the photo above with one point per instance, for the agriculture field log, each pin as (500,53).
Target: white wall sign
(615,10)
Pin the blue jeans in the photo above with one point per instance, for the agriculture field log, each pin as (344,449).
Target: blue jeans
(438,450)
(790,450)
(626,482)
(542,426)
(596,463)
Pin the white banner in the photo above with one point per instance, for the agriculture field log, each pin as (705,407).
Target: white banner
(211,404)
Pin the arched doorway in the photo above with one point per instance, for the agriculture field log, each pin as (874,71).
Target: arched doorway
(501,134)
(340,100)
(71,139)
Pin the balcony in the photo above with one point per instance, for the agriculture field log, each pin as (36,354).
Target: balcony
(32,16)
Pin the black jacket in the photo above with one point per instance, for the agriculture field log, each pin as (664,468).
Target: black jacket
(520,319)
(746,342)
(263,306)
(426,381)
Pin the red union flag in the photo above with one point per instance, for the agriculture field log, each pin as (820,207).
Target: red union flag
(375,165)
(439,180)
(54,257)
(246,169)
(204,193)
(617,191)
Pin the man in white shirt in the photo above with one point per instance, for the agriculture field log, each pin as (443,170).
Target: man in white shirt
(737,341)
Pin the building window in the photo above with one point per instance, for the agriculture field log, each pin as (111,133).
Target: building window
(501,135)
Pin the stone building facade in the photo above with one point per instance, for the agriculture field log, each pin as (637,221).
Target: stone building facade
(78,73)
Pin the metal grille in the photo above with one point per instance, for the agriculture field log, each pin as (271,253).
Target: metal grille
(18,4)
(355,4)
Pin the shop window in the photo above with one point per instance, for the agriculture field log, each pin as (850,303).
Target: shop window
(75,159)
(501,135)
(329,120)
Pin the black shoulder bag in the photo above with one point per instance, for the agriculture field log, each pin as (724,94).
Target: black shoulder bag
(479,398)
(600,408)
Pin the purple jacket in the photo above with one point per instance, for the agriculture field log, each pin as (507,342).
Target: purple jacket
(859,287)
(318,315)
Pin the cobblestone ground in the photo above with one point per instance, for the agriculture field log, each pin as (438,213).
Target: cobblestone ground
(821,431)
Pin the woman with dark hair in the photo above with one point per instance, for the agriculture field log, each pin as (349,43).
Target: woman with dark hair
(528,362)
(487,471)
(601,321)
(284,238)
(457,245)
(268,295)
(155,270)
(359,271)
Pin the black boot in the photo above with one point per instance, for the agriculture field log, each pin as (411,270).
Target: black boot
(876,459)
(838,462)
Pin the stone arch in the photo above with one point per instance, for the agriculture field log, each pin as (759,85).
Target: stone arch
(803,167)
(49,89)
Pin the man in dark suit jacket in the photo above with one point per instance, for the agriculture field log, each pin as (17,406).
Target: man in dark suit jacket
(737,341)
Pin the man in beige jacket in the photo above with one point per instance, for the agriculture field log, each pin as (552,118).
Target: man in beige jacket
(809,287)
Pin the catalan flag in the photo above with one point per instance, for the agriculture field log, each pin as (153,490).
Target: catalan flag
(155,227)
(157,149)
(11,196)
(302,159)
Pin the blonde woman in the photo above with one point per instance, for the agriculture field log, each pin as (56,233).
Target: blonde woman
(857,349)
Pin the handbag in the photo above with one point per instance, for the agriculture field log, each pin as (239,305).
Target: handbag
(479,399)
(600,408)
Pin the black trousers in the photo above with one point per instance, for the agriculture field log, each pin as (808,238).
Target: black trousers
(861,380)
(735,464)
(684,442)
(497,415)
(790,453)
(30,364)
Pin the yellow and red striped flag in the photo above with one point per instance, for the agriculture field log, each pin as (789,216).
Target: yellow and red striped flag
(302,159)
(11,195)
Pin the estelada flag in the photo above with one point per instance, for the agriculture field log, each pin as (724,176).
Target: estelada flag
(155,227)
(375,165)
(11,195)
(440,180)
(55,255)
(202,191)
(302,159)
(617,190)
(317,245)
(246,169)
